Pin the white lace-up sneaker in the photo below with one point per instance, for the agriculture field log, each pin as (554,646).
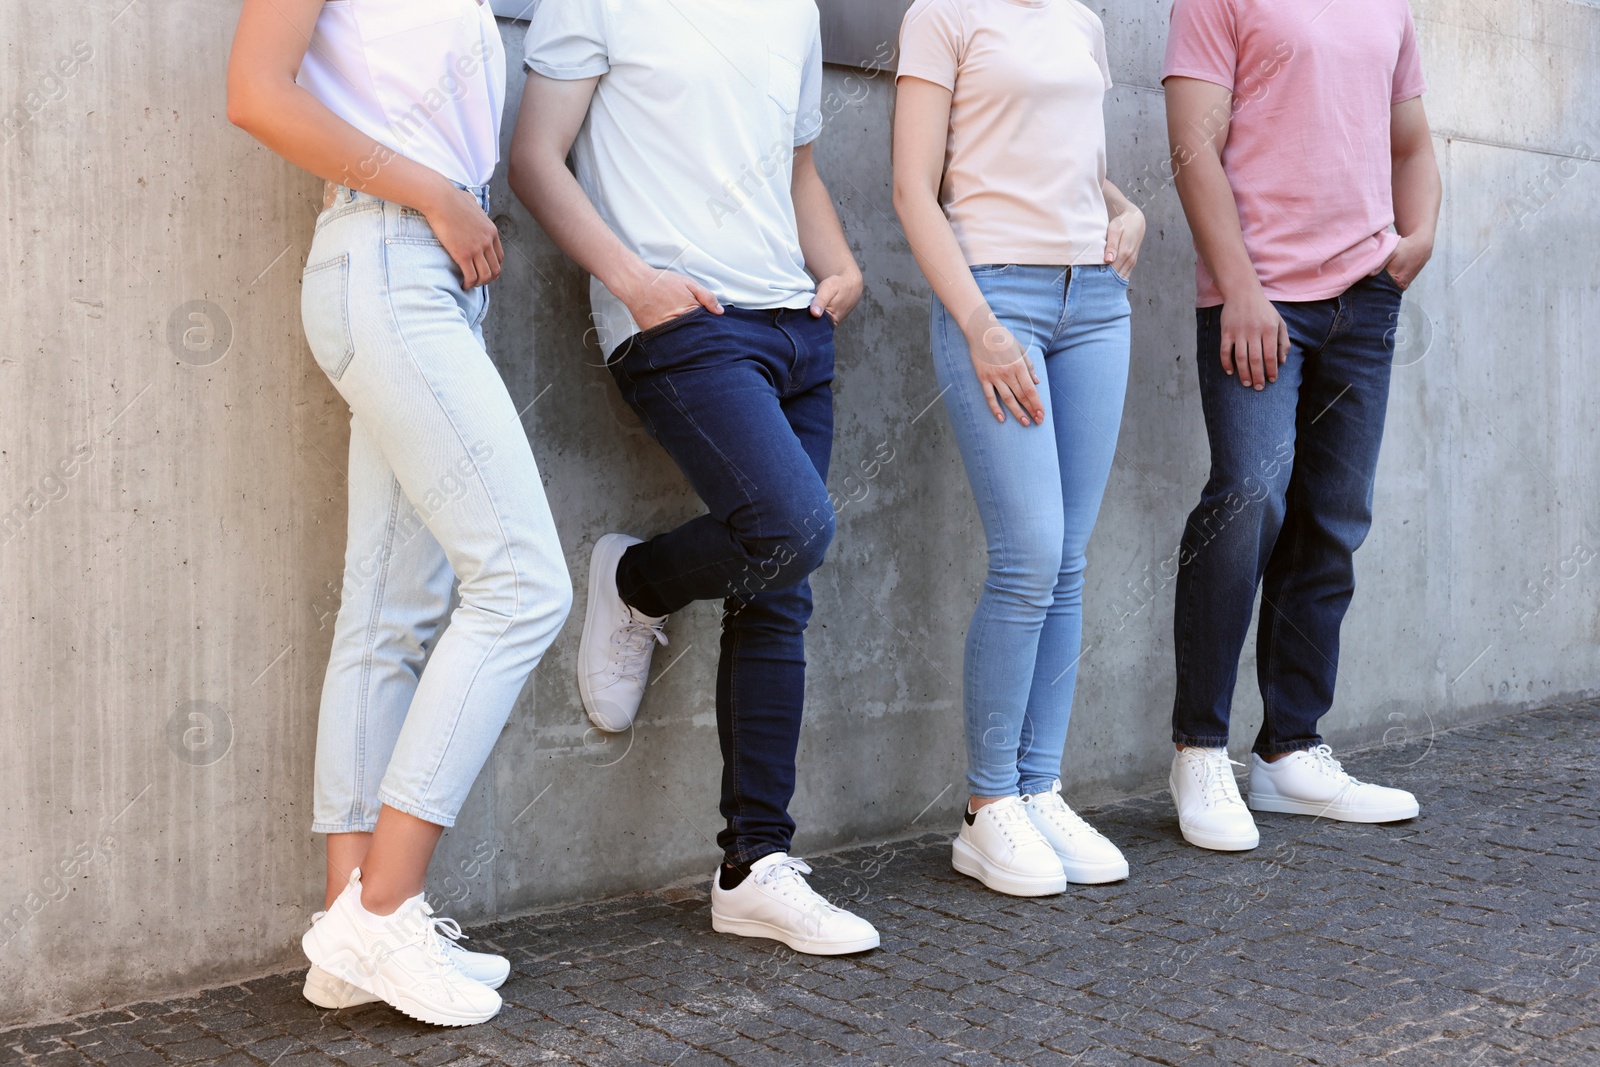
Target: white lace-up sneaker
(400,959)
(1087,858)
(614,652)
(775,901)
(1311,782)
(1000,847)
(327,991)
(1210,811)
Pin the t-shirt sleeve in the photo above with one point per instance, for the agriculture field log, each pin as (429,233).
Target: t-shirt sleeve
(1203,42)
(930,43)
(808,123)
(1100,53)
(1408,80)
(567,39)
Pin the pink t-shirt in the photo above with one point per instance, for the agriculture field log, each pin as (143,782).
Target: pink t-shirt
(1308,144)
(1027,146)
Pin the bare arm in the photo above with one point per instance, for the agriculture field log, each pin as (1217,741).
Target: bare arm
(921,128)
(552,113)
(822,241)
(1255,340)
(1125,229)
(1417,190)
(263,100)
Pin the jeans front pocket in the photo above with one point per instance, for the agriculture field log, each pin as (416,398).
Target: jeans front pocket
(325,314)
(671,324)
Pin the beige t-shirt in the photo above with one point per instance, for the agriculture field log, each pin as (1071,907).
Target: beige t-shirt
(1027,146)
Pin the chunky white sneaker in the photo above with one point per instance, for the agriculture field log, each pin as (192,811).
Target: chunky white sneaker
(400,959)
(1210,811)
(327,991)
(1087,858)
(1000,847)
(1311,782)
(775,901)
(614,651)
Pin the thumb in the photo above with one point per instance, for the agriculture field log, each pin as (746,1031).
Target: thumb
(707,298)
(1113,242)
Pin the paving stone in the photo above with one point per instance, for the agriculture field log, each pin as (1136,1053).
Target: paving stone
(1468,937)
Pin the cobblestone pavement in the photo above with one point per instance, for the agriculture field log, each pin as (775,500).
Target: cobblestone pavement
(1467,937)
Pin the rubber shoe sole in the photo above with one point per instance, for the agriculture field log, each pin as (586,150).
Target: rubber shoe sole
(1215,842)
(1093,873)
(332,992)
(347,962)
(605,714)
(1286,806)
(970,862)
(757,928)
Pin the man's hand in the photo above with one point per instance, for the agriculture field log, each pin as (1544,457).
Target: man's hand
(660,296)
(1005,373)
(837,296)
(468,235)
(1255,339)
(1124,235)
(1408,259)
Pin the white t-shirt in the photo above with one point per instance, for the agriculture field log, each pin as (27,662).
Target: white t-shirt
(688,149)
(1027,145)
(426,78)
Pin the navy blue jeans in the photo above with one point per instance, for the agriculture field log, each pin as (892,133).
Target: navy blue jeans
(1288,502)
(743,403)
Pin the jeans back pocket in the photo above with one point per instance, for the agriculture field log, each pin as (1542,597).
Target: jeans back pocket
(325,314)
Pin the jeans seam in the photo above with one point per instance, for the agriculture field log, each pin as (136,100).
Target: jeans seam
(363,707)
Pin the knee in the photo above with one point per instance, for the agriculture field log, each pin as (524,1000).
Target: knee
(801,534)
(1027,572)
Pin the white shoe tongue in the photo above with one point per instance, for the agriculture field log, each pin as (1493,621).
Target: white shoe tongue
(771,859)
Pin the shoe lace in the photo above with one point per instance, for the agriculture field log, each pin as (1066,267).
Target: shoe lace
(1055,806)
(1011,820)
(1217,783)
(438,935)
(1322,760)
(787,877)
(634,642)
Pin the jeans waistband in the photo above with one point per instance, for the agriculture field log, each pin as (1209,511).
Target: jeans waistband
(334,193)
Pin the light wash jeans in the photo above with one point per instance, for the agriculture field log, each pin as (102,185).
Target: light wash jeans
(443,486)
(1038,490)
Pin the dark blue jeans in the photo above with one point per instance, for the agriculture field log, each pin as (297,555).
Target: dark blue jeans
(743,403)
(1288,502)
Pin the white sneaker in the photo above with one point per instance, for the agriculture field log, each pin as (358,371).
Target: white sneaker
(328,991)
(1000,847)
(1311,782)
(775,901)
(401,960)
(1210,811)
(1087,858)
(614,652)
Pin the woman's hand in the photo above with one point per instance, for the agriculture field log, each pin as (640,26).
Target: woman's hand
(1124,235)
(459,222)
(1005,373)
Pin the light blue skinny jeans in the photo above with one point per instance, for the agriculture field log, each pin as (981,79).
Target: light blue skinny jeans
(442,487)
(1038,490)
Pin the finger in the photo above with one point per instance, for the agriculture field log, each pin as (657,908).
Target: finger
(706,297)
(1269,361)
(1253,354)
(1283,341)
(994,405)
(824,297)
(469,273)
(1229,363)
(1029,397)
(1113,243)
(1008,394)
(499,253)
(485,272)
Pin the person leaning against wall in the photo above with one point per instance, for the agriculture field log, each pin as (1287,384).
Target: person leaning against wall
(397,104)
(1299,139)
(1000,182)
(697,210)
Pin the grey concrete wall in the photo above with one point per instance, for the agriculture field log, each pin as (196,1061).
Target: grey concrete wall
(173,501)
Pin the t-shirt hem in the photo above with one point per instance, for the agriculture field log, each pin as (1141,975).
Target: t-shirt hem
(1224,80)
(941,80)
(567,74)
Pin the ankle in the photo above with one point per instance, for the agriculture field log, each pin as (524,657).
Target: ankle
(977,804)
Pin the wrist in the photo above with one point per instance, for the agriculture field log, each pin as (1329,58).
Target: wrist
(628,277)
(435,194)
